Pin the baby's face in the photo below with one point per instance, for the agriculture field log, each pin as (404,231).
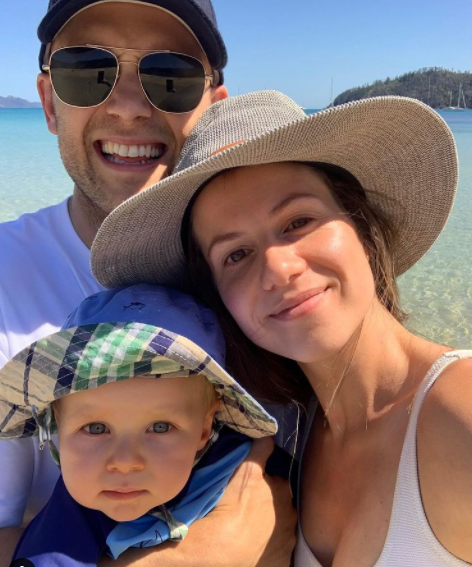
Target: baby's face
(129,446)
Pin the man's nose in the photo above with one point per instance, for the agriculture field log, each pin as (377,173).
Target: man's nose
(281,265)
(125,457)
(128,101)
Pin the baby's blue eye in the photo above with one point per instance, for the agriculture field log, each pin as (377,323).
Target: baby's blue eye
(161,427)
(96,428)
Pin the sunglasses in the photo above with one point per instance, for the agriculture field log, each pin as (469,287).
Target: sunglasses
(85,76)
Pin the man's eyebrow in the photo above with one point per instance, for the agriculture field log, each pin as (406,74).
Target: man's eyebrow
(289,200)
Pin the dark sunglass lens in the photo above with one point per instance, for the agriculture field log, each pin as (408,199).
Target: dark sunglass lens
(83,76)
(172,82)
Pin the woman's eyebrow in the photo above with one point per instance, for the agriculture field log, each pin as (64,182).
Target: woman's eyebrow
(227,236)
(289,200)
(221,238)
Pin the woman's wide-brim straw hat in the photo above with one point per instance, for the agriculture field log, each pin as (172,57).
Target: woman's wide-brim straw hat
(400,150)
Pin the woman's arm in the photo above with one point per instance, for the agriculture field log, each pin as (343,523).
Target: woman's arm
(253,525)
(445,458)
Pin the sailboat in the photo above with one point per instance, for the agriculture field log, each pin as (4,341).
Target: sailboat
(458,107)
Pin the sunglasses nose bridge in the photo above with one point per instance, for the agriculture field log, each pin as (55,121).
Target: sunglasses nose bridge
(118,70)
(126,91)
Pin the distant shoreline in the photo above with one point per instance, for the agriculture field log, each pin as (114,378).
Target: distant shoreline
(39,107)
(10,102)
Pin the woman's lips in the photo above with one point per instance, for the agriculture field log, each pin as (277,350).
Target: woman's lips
(123,495)
(300,306)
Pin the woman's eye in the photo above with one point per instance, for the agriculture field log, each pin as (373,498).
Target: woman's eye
(298,223)
(236,256)
(96,428)
(160,427)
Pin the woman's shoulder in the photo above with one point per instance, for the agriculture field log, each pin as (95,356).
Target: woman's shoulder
(447,407)
(444,439)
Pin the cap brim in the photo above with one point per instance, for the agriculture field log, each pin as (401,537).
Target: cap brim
(201,26)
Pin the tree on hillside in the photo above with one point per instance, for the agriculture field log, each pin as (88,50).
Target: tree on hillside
(434,86)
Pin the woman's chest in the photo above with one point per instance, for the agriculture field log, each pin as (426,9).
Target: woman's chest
(347,498)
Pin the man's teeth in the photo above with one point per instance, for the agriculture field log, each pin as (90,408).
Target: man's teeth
(149,151)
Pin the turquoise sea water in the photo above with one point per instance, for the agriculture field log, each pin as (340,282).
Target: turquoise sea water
(437,292)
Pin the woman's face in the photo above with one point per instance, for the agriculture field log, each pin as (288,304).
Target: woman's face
(286,259)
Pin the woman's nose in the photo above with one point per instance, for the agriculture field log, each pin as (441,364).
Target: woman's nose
(281,265)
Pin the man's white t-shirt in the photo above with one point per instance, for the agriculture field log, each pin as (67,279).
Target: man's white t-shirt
(44,274)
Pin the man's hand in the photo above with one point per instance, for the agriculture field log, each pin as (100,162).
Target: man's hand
(255,520)
(252,526)
(8,539)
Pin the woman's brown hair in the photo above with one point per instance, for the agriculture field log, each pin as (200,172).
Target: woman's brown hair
(269,376)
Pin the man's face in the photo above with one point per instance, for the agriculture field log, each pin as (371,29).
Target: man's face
(126,119)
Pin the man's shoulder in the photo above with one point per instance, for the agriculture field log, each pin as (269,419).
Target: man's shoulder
(31,230)
(37,219)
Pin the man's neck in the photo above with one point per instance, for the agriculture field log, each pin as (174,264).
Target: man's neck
(85,216)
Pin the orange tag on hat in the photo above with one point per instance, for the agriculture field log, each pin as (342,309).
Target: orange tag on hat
(227,147)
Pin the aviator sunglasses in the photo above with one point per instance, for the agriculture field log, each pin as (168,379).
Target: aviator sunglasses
(85,76)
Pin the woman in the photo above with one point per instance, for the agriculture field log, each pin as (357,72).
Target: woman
(296,228)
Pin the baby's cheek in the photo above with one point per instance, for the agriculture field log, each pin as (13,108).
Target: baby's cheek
(80,472)
(171,468)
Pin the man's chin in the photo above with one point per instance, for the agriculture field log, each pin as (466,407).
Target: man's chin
(112,195)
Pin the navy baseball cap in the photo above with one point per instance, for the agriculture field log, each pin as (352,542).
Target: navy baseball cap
(198,15)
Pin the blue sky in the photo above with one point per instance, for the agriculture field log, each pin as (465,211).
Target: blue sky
(295,46)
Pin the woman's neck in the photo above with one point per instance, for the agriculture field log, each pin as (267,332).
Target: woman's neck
(380,368)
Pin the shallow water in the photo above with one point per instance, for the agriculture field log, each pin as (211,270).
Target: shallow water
(437,292)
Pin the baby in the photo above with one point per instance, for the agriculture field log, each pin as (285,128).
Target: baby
(150,426)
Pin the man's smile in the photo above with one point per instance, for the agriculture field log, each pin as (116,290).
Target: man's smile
(139,153)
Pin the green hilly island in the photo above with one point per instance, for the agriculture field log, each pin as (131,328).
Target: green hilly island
(437,87)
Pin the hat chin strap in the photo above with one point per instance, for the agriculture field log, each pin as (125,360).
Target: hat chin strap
(177,529)
(44,432)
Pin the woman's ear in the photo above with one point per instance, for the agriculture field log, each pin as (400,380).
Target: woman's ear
(208,420)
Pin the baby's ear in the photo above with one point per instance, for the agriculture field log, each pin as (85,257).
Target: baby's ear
(55,410)
(208,423)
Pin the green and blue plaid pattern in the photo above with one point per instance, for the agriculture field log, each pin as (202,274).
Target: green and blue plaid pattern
(83,358)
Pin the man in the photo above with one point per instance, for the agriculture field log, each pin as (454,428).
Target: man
(121,112)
